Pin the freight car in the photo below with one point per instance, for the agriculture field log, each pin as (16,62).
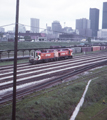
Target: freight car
(96,48)
(86,49)
(102,47)
(77,49)
(48,55)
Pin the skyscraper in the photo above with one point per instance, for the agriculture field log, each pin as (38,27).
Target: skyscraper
(94,18)
(56,27)
(83,26)
(104,19)
(82,23)
(34,25)
(2,29)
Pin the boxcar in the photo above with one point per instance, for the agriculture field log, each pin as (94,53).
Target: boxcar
(105,47)
(77,49)
(96,48)
(86,49)
(102,47)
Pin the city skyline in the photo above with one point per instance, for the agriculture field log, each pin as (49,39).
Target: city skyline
(48,11)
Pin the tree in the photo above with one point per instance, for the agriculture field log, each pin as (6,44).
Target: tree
(89,40)
(27,38)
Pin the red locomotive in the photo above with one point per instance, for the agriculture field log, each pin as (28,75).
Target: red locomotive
(50,55)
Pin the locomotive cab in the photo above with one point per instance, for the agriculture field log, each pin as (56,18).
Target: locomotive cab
(35,56)
(70,52)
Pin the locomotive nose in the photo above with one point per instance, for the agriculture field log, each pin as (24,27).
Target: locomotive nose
(39,57)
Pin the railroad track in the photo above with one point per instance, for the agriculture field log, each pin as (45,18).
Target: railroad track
(36,77)
(27,64)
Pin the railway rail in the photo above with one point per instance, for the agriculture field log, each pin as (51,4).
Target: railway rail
(36,77)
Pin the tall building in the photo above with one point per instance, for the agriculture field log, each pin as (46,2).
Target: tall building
(56,27)
(21,29)
(2,29)
(102,34)
(94,19)
(34,25)
(104,19)
(67,30)
(83,26)
(82,23)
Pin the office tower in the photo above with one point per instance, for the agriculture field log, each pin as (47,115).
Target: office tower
(94,19)
(2,30)
(102,34)
(21,29)
(83,26)
(82,23)
(56,27)
(104,19)
(34,25)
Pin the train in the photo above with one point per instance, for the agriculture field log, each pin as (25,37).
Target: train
(88,49)
(47,55)
(59,53)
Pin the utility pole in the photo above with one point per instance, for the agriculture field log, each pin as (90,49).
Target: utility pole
(15,62)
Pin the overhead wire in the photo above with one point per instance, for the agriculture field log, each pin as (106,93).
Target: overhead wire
(8,25)
(34,27)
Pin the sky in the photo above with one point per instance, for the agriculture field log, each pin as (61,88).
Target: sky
(47,11)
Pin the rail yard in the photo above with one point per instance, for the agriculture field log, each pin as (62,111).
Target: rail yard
(48,70)
(39,76)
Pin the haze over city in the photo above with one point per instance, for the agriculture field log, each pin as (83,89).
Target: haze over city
(47,11)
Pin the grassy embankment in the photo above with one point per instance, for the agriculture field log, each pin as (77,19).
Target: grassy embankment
(58,102)
(4,63)
(27,45)
(93,107)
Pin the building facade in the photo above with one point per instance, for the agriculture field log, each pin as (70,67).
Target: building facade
(2,30)
(83,26)
(21,29)
(94,21)
(104,19)
(67,30)
(34,25)
(102,34)
(56,27)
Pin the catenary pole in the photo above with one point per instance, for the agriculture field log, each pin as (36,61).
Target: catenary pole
(15,62)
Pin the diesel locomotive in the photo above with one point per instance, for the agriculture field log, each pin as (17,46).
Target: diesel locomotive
(47,55)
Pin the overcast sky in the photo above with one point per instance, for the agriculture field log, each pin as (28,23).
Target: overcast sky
(47,11)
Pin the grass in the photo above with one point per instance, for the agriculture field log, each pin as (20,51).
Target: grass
(27,45)
(4,63)
(92,106)
(56,103)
